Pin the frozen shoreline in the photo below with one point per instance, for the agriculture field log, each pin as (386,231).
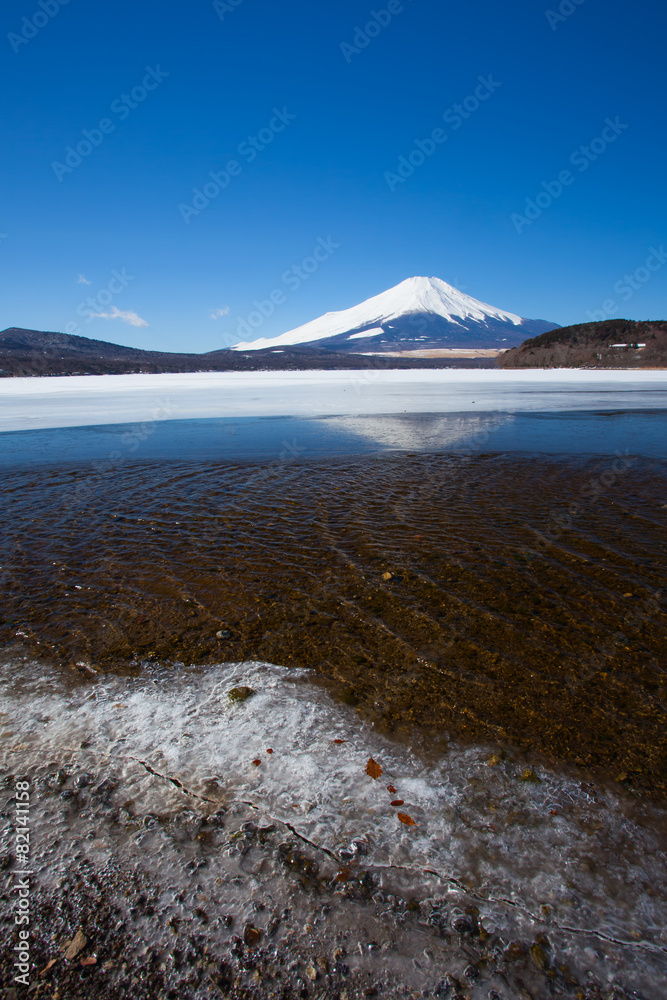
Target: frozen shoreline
(157,774)
(70,401)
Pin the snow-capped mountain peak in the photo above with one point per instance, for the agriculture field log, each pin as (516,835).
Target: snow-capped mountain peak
(417,310)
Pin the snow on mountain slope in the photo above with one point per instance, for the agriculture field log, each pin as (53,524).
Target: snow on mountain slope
(410,314)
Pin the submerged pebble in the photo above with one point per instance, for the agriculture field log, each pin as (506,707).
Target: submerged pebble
(240,694)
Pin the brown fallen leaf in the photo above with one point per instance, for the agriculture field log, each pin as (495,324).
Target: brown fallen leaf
(391,789)
(269,751)
(49,966)
(373,769)
(91,960)
(408,820)
(257,762)
(76,945)
(397,802)
(338,742)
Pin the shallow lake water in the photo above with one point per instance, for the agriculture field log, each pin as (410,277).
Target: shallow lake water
(636,432)
(468,595)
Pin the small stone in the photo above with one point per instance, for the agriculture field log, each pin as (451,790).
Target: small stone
(339,953)
(190,821)
(240,694)
(312,973)
(470,972)
(224,633)
(514,951)
(539,957)
(622,776)
(251,936)
(76,945)
(463,924)
(387,576)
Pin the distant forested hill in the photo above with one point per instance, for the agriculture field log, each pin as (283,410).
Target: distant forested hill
(591,345)
(31,352)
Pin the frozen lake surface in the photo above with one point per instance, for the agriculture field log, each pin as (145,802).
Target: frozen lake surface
(71,401)
(270,416)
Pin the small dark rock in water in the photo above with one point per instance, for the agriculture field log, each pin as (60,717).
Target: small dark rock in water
(251,936)
(463,924)
(104,789)
(356,848)
(224,633)
(189,821)
(539,956)
(471,972)
(240,693)
(446,986)
(57,779)
(514,951)
(81,780)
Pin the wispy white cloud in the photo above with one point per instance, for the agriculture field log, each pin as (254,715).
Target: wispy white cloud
(83,280)
(217,313)
(127,317)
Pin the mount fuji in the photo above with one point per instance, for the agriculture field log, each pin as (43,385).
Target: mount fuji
(418,314)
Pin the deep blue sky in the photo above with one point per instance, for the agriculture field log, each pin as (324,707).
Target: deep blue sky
(323,176)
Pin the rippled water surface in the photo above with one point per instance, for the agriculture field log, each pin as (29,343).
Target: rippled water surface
(512,599)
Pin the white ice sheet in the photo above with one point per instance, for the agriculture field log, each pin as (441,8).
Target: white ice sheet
(72,401)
